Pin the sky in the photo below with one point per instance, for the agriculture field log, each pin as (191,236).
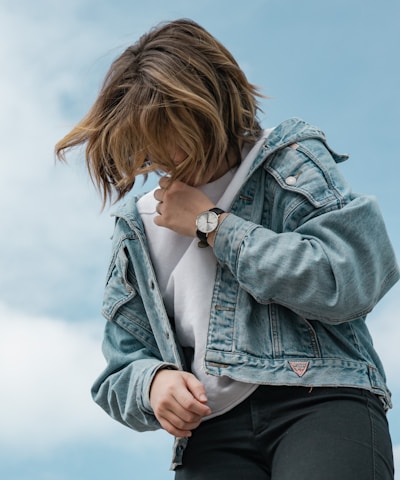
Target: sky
(333,63)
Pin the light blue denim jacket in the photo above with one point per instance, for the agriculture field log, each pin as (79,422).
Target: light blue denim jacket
(301,261)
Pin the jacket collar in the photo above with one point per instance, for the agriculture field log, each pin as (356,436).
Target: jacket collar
(290,131)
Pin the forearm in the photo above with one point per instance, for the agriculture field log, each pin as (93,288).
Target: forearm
(329,269)
(123,388)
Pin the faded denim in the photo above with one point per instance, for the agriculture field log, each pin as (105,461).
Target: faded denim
(301,261)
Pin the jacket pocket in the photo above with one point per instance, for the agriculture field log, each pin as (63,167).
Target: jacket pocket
(298,170)
(122,302)
(295,336)
(119,289)
(304,182)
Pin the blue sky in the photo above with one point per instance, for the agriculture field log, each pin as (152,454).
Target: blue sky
(335,64)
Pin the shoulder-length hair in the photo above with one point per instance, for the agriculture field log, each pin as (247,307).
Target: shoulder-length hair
(176,86)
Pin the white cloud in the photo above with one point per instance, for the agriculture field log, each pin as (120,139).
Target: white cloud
(51,213)
(46,368)
(55,245)
(41,214)
(55,236)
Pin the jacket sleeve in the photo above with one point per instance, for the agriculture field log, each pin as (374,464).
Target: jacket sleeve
(123,388)
(328,259)
(129,346)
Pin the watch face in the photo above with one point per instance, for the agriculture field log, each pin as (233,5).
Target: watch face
(207,222)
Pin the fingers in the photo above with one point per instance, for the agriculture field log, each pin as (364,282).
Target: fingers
(164,182)
(192,398)
(172,429)
(159,196)
(167,187)
(178,401)
(196,388)
(178,206)
(158,208)
(173,423)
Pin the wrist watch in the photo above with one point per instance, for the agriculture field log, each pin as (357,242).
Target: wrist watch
(206,223)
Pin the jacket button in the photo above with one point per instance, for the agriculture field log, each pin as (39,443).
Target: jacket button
(291,180)
(151,284)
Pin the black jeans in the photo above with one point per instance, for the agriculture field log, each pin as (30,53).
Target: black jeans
(294,433)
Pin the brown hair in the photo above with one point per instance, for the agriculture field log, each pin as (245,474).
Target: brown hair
(176,84)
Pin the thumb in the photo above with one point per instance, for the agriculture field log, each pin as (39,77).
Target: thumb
(196,388)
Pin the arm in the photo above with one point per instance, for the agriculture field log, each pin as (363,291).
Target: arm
(333,268)
(143,393)
(123,388)
(326,254)
(138,388)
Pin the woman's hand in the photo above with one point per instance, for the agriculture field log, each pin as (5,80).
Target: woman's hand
(179,204)
(179,401)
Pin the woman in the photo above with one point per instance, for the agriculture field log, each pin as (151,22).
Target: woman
(238,289)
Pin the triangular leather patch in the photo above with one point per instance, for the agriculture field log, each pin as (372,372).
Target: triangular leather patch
(299,368)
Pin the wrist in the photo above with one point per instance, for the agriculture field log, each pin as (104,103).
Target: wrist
(206,223)
(211,236)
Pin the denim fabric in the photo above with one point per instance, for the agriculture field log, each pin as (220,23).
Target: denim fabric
(301,261)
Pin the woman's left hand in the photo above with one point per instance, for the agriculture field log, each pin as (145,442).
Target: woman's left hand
(179,204)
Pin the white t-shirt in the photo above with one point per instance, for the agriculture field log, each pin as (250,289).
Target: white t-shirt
(186,273)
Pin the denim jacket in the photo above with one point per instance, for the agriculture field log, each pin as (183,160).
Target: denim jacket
(301,261)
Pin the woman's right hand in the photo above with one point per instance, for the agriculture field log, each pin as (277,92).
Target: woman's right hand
(179,401)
